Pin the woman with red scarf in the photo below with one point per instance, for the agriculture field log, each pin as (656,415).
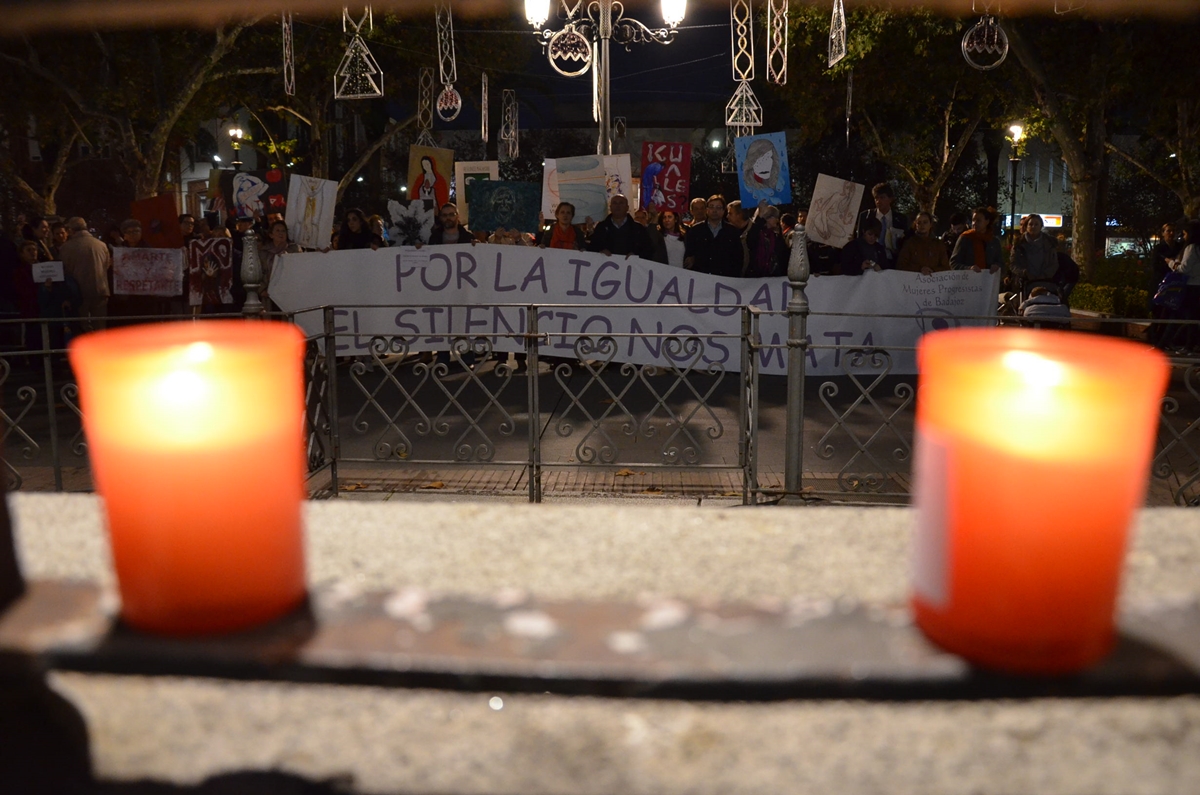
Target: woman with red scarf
(977,248)
(564,234)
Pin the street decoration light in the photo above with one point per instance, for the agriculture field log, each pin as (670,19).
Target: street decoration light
(583,44)
(235,137)
(1015,133)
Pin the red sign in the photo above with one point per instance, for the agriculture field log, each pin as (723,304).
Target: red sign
(666,175)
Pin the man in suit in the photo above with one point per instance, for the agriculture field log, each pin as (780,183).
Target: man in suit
(714,246)
(619,234)
(894,225)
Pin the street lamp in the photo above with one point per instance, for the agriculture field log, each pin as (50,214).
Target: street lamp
(1015,133)
(583,44)
(235,137)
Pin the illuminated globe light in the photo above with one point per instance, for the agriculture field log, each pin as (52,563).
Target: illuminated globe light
(1016,131)
(673,11)
(537,11)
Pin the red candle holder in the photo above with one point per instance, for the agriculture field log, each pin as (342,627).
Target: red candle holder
(1032,457)
(195,434)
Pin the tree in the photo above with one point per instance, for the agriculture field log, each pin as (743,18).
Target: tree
(920,126)
(135,89)
(1076,70)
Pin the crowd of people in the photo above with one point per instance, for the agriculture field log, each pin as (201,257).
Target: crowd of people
(714,237)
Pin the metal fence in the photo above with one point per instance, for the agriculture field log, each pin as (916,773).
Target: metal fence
(566,405)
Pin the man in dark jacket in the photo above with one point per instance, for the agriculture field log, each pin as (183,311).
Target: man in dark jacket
(714,246)
(893,225)
(619,234)
(448,230)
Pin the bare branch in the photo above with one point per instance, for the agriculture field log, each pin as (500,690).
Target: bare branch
(281,109)
(369,152)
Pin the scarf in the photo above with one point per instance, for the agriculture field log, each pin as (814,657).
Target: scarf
(980,243)
(563,239)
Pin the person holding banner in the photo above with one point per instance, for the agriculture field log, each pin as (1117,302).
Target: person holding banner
(767,248)
(714,246)
(448,230)
(865,252)
(922,252)
(978,248)
(564,234)
(618,234)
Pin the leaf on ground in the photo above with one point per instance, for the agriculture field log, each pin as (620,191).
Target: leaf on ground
(437,484)
(353,486)
(653,490)
(624,473)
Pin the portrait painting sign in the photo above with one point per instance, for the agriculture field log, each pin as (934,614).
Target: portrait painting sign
(255,193)
(310,206)
(497,204)
(762,168)
(429,172)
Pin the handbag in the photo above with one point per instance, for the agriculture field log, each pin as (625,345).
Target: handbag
(1169,294)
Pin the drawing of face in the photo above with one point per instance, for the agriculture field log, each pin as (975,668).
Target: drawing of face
(762,166)
(504,204)
(427,167)
(247,189)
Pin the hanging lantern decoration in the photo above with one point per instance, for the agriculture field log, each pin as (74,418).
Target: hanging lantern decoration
(777,33)
(449,101)
(425,108)
(483,108)
(289,58)
(673,11)
(837,33)
(358,76)
(985,44)
(510,126)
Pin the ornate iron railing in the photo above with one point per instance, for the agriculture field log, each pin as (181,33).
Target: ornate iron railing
(566,402)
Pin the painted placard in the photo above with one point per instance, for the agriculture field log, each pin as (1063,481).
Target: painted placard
(210,272)
(147,271)
(465,174)
(159,217)
(310,211)
(504,205)
(833,211)
(762,167)
(429,172)
(666,176)
(255,194)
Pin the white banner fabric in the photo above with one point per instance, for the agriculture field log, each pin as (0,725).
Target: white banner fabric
(481,290)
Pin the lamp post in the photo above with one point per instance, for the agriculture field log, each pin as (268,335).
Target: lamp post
(235,137)
(1015,133)
(583,44)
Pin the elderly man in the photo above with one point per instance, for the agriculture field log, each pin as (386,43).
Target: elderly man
(619,234)
(88,260)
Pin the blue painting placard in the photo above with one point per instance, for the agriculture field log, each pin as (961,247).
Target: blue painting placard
(762,167)
(511,205)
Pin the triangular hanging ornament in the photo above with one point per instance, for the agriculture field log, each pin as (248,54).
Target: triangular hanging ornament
(358,76)
(837,33)
(743,109)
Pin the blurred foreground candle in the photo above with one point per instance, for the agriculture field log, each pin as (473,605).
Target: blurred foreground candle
(195,436)
(1032,456)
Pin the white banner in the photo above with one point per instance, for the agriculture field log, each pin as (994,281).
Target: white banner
(483,290)
(147,271)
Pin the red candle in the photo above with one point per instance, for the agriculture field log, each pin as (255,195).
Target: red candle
(195,437)
(1032,456)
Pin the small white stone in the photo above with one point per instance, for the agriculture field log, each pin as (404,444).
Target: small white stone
(664,615)
(532,624)
(627,642)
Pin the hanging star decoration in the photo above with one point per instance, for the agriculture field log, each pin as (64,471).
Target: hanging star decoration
(358,76)
(743,112)
(837,33)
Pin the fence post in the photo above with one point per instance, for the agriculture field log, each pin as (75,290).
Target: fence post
(797,313)
(252,276)
(745,426)
(532,344)
(51,408)
(335,445)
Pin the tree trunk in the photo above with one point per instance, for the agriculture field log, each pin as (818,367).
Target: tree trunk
(993,143)
(1083,232)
